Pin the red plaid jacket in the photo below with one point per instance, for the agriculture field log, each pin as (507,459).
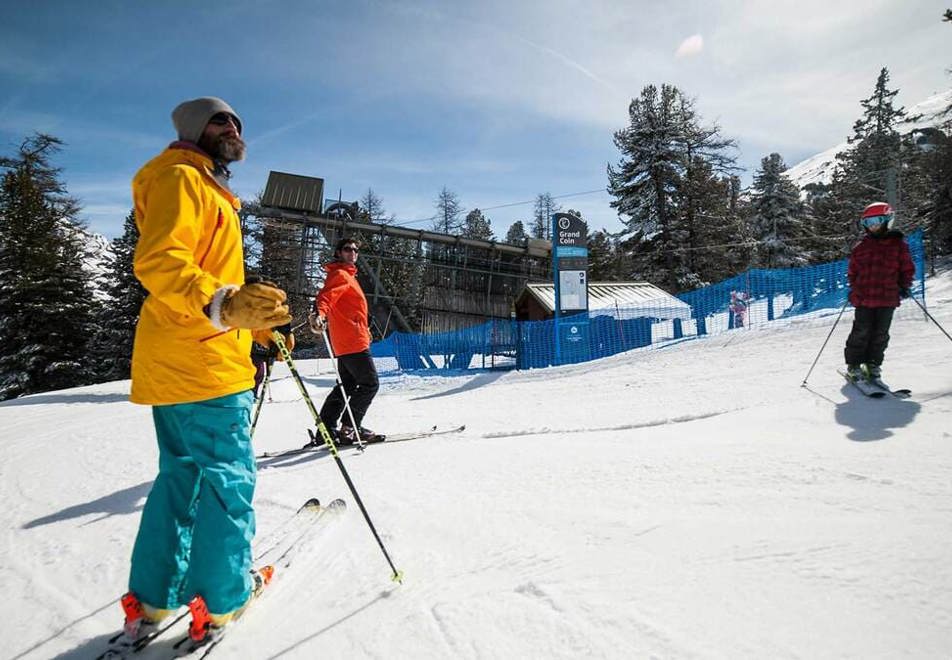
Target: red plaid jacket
(879,267)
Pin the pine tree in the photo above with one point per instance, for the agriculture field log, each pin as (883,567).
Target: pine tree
(646,181)
(711,233)
(516,234)
(545,206)
(778,215)
(926,200)
(869,169)
(476,225)
(448,210)
(825,217)
(372,209)
(668,159)
(46,316)
(112,347)
(602,262)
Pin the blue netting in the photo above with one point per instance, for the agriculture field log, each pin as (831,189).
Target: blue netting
(751,299)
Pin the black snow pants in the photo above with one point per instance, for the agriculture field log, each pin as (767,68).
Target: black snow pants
(359,377)
(870,335)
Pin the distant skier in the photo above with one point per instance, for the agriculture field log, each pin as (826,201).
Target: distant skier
(191,363)
(880,272)
(738,307)
(341,307)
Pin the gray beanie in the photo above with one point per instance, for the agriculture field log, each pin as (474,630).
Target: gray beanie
(191,117)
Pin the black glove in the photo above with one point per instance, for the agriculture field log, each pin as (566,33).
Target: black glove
(905,292)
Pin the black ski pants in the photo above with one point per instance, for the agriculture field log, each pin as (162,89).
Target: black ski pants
(359,377)
(870,335)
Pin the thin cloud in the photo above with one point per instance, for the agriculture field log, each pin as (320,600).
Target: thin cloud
(571,63)
(691,46)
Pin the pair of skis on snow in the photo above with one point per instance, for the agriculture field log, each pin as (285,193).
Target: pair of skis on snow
(317,446)
(273,558)
(875,388)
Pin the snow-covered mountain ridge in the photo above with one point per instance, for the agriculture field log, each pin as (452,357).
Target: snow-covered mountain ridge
(819,168)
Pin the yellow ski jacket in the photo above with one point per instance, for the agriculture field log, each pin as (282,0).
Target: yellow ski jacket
(189,247)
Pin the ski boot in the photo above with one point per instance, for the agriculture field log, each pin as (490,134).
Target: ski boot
(855,372)
(206,628)
(348,437)
(873,372)
(140,626)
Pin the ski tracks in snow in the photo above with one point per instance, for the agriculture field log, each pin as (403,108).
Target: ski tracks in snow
(665,421)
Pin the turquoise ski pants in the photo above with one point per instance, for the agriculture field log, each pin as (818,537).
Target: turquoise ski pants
(197,525)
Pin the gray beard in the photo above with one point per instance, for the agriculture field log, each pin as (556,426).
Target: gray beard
(226,148)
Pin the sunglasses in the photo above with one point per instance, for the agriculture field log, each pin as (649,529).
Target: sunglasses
(223,119)
(349,248)
(874,220)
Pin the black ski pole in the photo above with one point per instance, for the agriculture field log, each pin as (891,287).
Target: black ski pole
(264,383)
(270,365)
(931,318)
(350,413)
(842,309)
(332,448)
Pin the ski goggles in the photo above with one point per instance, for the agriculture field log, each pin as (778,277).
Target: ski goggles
(874,220)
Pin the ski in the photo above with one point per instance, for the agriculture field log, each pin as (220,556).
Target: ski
(312,447)
(120,649)
(317,513)
(867,388)
(278,549)
(189,646)
(429,433)
(900,393)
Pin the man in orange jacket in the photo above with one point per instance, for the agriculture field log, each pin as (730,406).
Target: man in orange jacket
(341,307)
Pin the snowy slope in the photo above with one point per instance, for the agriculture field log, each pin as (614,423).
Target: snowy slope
(688,502)
(819,168)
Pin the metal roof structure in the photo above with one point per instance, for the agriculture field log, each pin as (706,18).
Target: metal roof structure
(617,296)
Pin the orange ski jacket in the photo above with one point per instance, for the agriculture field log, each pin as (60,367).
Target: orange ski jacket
(342,302)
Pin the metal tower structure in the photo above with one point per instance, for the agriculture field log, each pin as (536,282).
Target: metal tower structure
(415,280)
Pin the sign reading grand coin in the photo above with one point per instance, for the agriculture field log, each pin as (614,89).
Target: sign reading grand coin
(570,276)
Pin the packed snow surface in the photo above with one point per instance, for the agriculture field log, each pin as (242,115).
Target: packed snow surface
(687,502)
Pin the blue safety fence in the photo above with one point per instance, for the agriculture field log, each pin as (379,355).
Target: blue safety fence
(752,299)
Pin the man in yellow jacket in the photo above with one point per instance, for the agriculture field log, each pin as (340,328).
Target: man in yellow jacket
(191,362)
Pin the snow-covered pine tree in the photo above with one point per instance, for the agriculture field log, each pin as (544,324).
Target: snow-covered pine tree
(738,212)
(646,180)
(875,154)
(46,301)
(477,225)
(925,198)
(662,139)
(712,234)
(869,168)
(602,258)
(777,222)
(112,347)
(704,197)
(516,235)
(823,213)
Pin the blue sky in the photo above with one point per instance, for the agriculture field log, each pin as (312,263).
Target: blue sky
(496,100)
